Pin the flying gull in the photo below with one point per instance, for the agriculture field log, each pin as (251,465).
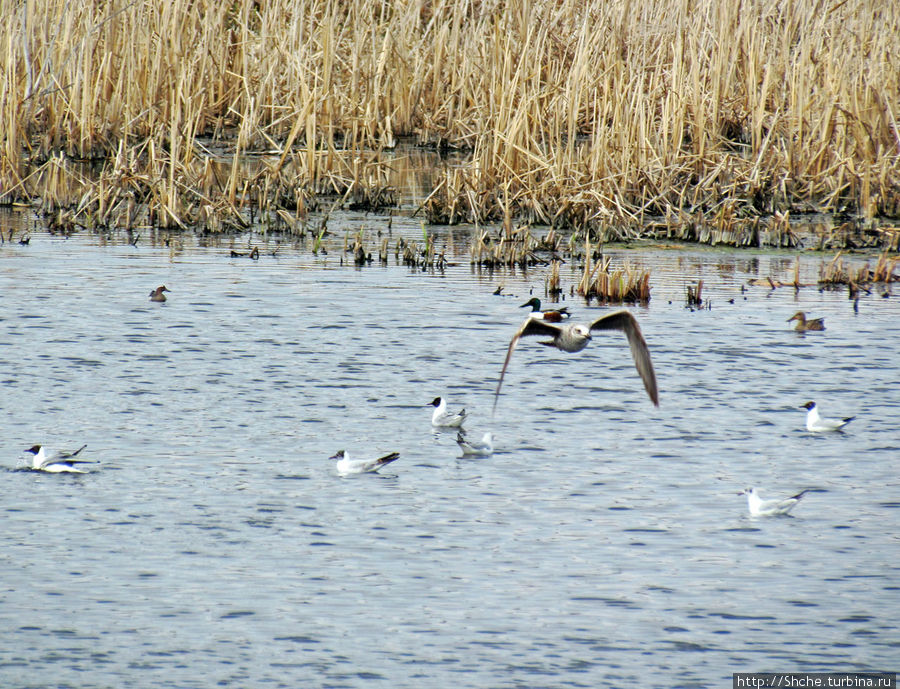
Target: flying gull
(573,337)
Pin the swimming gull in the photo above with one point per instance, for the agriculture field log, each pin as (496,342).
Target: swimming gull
(441,418)
(347,466)
(817,424)
(61,462)
(768,508)
(480,448)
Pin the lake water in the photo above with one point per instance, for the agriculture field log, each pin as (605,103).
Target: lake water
(603,544)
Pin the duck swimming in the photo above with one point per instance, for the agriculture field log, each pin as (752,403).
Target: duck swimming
(157,294)
(552,315)
(803,325)
(574,337)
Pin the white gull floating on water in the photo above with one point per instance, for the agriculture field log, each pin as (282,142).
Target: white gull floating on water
(816,424)
(62,462)
(769,508)
(347,466)
(480,448)
(441,418)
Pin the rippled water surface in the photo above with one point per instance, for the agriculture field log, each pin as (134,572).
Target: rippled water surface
(604,543)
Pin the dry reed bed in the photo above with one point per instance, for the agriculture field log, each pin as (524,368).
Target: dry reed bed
(835,273)
(578,114)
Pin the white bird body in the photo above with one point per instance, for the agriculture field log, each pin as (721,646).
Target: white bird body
(441,418)
(347,466)
(769,508)
(481,448)
(817,424)
(573,337)
(62,462)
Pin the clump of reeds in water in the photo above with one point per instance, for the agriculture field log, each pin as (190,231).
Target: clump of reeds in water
(694,296)
(512,247)
(553,288)
(625,285)
(423,256)
(360,255)
(836,273)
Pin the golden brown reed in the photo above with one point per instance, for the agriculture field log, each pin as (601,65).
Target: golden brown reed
(619,286)
(578,114)
(836,273)
(694,295)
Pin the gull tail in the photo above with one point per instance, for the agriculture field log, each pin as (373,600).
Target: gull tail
(387,459)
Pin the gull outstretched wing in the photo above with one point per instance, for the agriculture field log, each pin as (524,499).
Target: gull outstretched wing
(532,326)
(627,323)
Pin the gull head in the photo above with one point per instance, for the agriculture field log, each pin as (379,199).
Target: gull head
(339,455)
(436,402)
(581,331)
(747,491)
(808,405)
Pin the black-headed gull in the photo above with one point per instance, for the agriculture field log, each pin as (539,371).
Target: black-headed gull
(816,424)
(62,462)
(442,418)
(574,337)
(481,448)
(769,508)
(347,466)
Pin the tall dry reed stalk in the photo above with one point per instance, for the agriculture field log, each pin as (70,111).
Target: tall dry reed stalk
(584,114)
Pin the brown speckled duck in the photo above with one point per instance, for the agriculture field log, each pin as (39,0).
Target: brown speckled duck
(803,324)
(157,294)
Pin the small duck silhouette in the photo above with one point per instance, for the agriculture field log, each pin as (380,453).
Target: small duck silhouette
(803,324)
(157,294)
